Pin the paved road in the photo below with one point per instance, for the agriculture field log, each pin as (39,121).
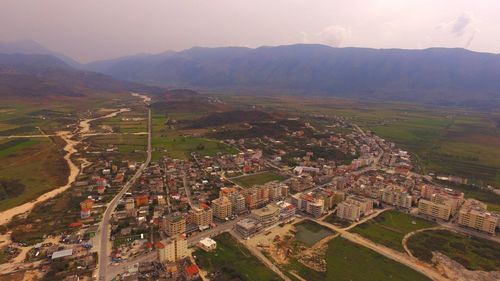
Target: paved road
(103,235)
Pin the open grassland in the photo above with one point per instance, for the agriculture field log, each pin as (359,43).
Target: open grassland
(181,147)
(445,140)
(257,179)
(310,232)
(36,164)
(390,227)
(232,261)
(128,147)
(347,261)
(472,252)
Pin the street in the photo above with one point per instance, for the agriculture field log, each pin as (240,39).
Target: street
(104,228)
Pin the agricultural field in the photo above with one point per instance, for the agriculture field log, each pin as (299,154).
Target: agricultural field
(347,261)
(232,261)
(390,227)
(309,233)
(33,165)
(127,147)
(472,252)
(257,179)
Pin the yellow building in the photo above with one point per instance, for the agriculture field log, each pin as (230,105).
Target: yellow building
(222,208)
(202,216)
(434,210)
(474,215)
(173,224)
(173,249)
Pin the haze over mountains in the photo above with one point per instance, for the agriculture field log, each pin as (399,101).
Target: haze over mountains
(31,71)
(437,75)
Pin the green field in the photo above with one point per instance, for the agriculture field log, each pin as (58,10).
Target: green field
(129,147)
(34,163)
(347,261)
(180,147)
(473,253)
(256,179)
(390,227)
(310,232)
(233,261)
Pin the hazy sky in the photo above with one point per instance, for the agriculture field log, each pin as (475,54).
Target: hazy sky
(97,29)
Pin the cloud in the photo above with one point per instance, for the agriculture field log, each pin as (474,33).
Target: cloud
(334,35)
(461,29)
(459,25)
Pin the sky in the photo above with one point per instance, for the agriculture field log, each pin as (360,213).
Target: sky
(90,30)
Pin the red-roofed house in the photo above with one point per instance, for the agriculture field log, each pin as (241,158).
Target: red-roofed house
(192,272)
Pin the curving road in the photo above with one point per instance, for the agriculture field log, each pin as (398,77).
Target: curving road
(104,228)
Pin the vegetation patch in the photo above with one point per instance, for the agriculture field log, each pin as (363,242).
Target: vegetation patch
(333,219)
(310,232)
(232,261)
(390,227)
(347,261)
(472,252)
(181,147)
(257,179)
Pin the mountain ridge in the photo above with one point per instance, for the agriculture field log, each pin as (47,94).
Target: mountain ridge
(434,74)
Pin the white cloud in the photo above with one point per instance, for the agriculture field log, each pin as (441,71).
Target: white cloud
(334,35)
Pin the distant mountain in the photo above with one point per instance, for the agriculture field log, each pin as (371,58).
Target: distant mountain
(26,75)
(31,47)
(437,75)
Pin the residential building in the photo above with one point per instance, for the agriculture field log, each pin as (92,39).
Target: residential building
(396,197)
(474,214)
(247,227)
(307,203)
(434,210)
(237,200)
(287,210)
(87,204)
(202,216)
(173,224)
(266,216)
(173,249)
(365,204)
(222,208)
(208,244)
(348,211)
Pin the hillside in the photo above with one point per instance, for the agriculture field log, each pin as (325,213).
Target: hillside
(28,75)
(438,75)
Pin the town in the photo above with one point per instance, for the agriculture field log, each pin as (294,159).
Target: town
(147,220)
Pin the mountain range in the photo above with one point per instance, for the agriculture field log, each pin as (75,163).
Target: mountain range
(27,74)
(436,75)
